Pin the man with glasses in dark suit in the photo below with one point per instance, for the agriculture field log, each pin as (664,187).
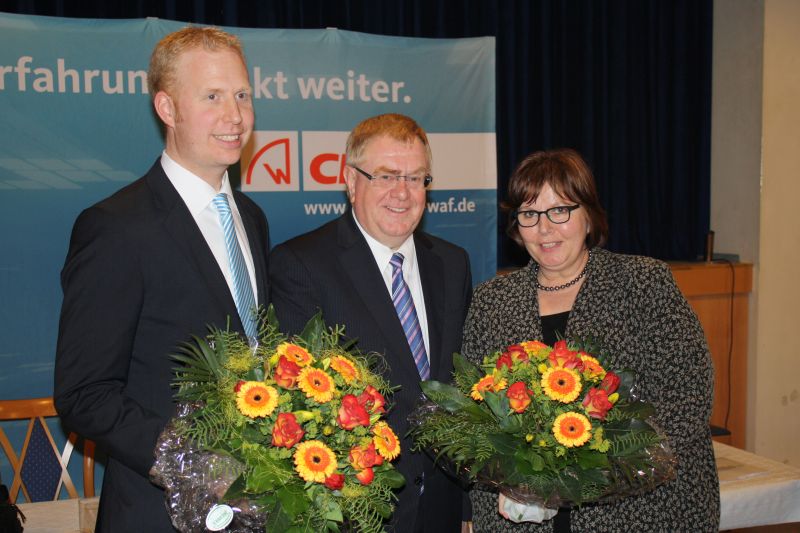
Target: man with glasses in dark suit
(401,292)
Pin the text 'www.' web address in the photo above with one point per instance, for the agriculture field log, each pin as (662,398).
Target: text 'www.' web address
(451,205)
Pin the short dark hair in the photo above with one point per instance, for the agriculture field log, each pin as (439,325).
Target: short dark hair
(569,176)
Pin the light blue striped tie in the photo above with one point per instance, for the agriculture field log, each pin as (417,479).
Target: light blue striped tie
(404,305)
(242,290)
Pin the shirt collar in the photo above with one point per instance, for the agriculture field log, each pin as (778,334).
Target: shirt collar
(195,191)
(383,254)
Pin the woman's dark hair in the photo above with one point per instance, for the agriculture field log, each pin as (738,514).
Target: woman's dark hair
(569,176)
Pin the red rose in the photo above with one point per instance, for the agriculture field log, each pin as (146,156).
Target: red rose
(286,373)
(372,400)
(516,352)
(504,360)
(352,413)
(335,481)
(286,432)
(596,403)
(610,383)
(519,397)
(563,357)
(238,385)
(362,457)
(366,476)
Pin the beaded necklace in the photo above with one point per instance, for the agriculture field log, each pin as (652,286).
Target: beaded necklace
(566,285)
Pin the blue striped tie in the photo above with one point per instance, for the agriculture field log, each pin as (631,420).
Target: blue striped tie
(242,290)
(404,305)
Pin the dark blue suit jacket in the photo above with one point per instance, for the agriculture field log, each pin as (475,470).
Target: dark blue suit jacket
(139,279)
(333,269)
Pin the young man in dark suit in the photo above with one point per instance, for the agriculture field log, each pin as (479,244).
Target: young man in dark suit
(155,263)
(349,268)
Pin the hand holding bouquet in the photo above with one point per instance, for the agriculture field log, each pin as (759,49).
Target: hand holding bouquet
(286,436)
(545,425)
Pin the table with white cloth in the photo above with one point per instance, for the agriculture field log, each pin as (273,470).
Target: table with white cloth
(754,490)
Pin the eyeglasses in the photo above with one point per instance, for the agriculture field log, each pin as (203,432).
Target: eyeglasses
(557,215)
(387,181)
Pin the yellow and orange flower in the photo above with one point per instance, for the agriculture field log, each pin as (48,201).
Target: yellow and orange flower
(286,432)
(317,384)
(592,368)
(351,413)
(365,476)
(386,441)
(572,429)
(562,384)
(493,382)
(295,353)
(362,457)
(519,397)
(562,356)
(314,461)
(534,347)
(255,399)
(345,368)
(286,373)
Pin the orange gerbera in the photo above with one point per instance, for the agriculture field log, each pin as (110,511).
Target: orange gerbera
(295,353)
(534,347)
(572,429)
(386,441)
(592,368)
(562,384)
(255,398)
(345,368)
(314,461)
(316,383)
(490,382)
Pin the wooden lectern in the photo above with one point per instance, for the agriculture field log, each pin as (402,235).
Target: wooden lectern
(719,292)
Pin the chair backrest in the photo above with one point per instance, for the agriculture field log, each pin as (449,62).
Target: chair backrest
(40,469)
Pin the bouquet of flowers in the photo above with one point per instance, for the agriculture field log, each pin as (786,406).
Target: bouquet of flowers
(546,425)
(283,436)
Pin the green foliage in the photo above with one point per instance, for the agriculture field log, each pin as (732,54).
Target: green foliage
(466,373)
(452,400)
(367,512)
(632,443)
(498,403)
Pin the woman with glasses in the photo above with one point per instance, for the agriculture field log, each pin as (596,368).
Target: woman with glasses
(574,289)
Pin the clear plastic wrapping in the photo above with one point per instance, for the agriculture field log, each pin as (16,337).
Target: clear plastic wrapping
(626,476)
(195,481)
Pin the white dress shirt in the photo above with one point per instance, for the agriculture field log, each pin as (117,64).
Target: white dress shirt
(383,255)
(197,194)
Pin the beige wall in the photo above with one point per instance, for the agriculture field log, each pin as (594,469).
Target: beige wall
(777,407)
(755,186)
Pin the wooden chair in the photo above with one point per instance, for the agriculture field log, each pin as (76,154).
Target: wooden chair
(40,470)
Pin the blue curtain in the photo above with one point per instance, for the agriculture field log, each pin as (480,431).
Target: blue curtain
(625,82)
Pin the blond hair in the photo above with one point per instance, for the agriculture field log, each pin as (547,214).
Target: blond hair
(161,74)
(393,125)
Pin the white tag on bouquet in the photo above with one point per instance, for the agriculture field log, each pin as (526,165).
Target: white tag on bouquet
(219,517)
(521,512)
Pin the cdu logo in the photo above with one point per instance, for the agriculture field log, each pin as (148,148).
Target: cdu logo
(269,162)
(324,160)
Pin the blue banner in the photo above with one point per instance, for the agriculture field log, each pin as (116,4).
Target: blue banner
(77,124)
